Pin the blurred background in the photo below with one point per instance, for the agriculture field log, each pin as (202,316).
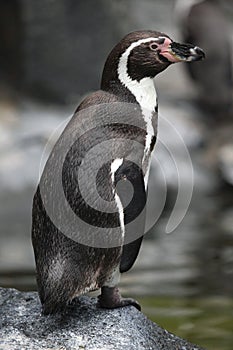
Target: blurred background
(51,55)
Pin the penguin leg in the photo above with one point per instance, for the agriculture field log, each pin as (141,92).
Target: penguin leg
(111,298)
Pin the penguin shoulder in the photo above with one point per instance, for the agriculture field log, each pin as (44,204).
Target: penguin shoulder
(96,98)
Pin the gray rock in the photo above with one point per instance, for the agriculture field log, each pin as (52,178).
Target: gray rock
(84,326)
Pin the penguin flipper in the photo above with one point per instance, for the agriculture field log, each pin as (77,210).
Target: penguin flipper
(134,211)
(129,254)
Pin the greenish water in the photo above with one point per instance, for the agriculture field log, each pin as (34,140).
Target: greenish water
(207,322)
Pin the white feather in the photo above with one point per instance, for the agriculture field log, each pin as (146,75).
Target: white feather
(114,166)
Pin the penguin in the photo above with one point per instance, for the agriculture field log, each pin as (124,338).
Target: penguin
(119,120)
(203,22)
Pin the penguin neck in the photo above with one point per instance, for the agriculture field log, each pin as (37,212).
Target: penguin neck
(116,78)
(115,87)
(119,83)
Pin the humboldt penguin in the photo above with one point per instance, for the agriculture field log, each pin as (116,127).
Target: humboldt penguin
(203,22)
(120,121)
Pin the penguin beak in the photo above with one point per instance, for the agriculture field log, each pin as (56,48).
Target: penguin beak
(176,52)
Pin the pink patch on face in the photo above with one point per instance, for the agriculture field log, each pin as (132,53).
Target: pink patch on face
(165,51)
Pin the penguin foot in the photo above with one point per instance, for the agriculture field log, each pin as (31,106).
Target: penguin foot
(110,298)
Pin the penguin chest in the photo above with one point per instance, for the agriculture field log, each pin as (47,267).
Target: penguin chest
(147,161)
(151,133)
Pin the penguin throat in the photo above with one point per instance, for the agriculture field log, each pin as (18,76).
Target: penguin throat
(144,89)
(145,94)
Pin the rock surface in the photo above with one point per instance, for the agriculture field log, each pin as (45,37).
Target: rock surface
(84,326)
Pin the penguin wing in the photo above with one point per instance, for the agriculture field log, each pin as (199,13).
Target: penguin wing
(134,210)
(129,254)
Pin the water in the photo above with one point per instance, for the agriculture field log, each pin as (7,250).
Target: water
(207,322)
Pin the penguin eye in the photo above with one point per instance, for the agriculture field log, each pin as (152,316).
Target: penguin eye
(153,46)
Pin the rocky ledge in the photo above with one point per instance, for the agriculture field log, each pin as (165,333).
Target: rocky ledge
(84,326)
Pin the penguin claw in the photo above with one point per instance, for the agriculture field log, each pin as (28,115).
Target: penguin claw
(130,301)
(110,298)
(121,303)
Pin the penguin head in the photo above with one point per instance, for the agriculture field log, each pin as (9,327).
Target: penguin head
(144,54)
(149,53)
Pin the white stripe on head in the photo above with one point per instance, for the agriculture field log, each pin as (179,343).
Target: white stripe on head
(143,90)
